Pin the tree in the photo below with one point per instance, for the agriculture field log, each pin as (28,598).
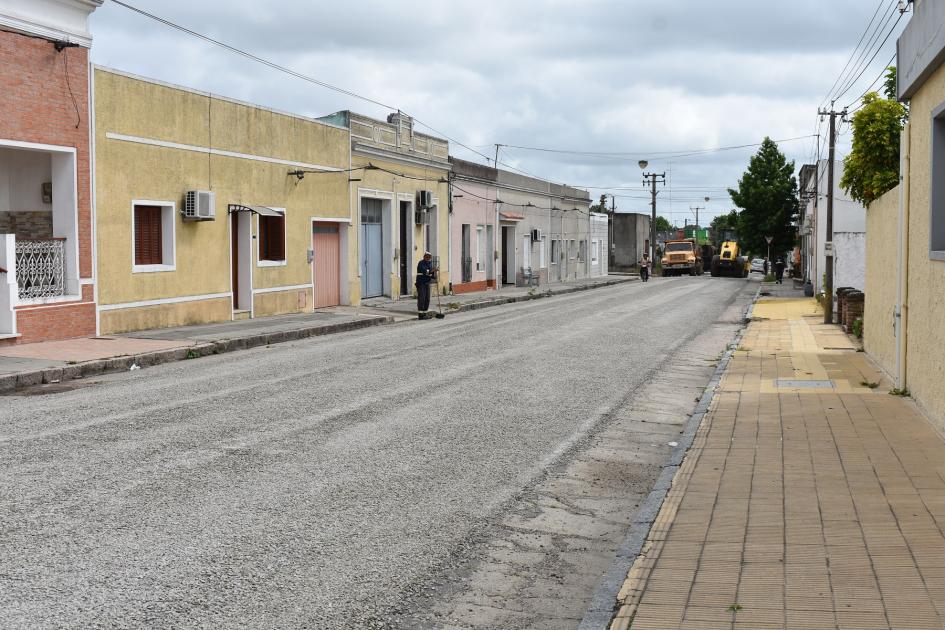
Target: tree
(663,225)
(767,195)
(601,206)
(872,166)
(722,225)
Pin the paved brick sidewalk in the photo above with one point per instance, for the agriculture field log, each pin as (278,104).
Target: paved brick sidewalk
(802,504)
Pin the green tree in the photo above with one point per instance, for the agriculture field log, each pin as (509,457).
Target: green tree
(722,225)
(663,225)
(767,195)
(872,166)
(889,84)
(601,206)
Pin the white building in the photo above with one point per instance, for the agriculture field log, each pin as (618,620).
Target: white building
(849,229)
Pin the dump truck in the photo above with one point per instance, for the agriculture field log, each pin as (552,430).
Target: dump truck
(730,262)
(682,256)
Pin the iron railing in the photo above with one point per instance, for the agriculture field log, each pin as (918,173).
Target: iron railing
(40,268)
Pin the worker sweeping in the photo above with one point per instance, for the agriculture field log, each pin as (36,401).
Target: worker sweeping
(426,273)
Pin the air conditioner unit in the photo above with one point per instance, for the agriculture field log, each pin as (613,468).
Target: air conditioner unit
(424,198)
(422,217)
(536,235)
(199,205)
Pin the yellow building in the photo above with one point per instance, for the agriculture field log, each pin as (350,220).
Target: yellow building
(400,202)
(209,209)
(904,320)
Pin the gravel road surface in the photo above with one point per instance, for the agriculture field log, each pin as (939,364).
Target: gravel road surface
(314,484)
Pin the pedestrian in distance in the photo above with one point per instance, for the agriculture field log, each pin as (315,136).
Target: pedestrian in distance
(767,266)
(779,270)
(645,268)
(426,273)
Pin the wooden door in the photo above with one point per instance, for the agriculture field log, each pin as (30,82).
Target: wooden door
(327,262)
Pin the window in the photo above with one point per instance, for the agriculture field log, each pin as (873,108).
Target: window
(271,238)
(595,252)
(542,263)
(582,251)
(555,251)
(153,224)
(526,252)
(937,208)
(480,248)
(572,250)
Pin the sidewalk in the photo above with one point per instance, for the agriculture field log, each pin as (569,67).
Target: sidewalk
(505,295)
(808,500)
(55,361)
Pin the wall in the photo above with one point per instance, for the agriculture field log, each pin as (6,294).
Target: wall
(926,284)
(848,217)
(881,279)
(849,262)
(45,101)
(630,233)
(599,229)
(260,147)
(471,206)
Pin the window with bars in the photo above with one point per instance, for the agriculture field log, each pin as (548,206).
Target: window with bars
(148,235)
(272,238)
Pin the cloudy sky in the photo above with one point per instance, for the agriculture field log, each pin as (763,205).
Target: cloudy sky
(651,80)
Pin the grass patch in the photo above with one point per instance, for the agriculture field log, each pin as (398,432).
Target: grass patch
(899,392)
(869,384)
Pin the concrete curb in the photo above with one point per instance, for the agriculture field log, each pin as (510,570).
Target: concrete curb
(472,306)
(603,604)
(20,380)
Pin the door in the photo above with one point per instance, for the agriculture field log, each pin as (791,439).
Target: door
(406,224)
(526,251)
(508,255)
(372,260)
(466,250)
(235,258)
(327,264)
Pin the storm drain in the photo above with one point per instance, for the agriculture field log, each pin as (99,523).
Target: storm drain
(796,384)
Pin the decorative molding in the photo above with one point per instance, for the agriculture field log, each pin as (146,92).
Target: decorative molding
(161,301)
(295,287)
(55,20)
(233,154)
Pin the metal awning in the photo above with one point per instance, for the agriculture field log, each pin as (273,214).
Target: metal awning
(265,211)
(508,216)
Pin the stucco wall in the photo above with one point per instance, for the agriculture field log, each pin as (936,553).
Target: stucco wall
(882,247)
(471,206)
(134,167)
(926,301)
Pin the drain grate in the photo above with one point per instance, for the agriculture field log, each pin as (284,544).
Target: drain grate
(796,384)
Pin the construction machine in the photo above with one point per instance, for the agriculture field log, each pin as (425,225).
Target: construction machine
(730,262)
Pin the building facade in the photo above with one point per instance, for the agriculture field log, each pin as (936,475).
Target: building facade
(47,275)
(400,196)
(630,232)
(905,297)
(209,209)
(849,229)
(473,221)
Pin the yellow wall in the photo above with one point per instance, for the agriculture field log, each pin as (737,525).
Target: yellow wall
(128,170)
(926,315)
(386,182)
(882,249)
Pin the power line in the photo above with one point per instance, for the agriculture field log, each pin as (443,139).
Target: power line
(875,81)
(852,54)
(866,66)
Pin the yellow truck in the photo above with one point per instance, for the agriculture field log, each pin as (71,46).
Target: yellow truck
(682,256)
(730,262)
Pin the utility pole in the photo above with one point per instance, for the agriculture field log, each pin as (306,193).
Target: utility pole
(496,155)
(652,178)
(828,239)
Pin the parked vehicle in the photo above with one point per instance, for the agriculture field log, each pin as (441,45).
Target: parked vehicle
(682,256)
(757,265)
(708,251)
(730,262)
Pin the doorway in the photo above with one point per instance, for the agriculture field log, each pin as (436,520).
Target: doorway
(406,227)
(241,261)
(508,254)
(372,258)
(466,253)
(326,262)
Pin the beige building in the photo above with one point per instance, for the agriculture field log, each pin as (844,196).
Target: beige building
(905,274)
(400,196)
(209,209)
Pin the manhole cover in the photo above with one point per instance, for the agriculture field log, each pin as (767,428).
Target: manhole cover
(792,383)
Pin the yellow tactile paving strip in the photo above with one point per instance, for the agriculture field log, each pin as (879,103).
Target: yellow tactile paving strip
(798,509)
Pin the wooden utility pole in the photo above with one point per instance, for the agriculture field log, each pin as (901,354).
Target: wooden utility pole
(828,238)
(653,178)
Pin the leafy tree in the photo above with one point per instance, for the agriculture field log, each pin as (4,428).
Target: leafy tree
(889,84)
(767,195)
(601,206)
(723,224)
(663,225)
(872,166)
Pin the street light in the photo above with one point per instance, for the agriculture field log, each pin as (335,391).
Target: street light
(643,164)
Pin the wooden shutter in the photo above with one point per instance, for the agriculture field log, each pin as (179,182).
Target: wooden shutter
(148,236)
(272,238)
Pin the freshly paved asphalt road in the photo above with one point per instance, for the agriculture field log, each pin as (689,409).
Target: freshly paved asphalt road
(315,484)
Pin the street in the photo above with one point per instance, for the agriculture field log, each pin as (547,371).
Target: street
(345,481)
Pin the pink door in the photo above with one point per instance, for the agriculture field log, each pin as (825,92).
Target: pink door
(327,262)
